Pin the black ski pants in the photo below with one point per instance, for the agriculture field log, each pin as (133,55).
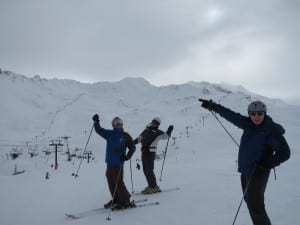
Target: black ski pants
(254,190)
(116,185)
(148,167)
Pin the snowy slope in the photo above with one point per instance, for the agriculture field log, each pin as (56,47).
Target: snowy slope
(202,163)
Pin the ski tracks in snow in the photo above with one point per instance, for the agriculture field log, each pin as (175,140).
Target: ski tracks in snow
(61,109)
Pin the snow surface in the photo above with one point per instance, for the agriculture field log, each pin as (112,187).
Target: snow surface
(202,163)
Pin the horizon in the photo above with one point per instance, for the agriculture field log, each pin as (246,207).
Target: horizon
(295,100)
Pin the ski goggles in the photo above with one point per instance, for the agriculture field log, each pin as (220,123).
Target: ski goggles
(256,113)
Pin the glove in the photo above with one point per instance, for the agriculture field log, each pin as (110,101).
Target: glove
(260,168)
(208,104)
(123,158)
(170,129)
(96,118)
(138,166)
(135,141)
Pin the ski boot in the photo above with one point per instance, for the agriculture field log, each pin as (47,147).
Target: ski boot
(150,190)
(124,205)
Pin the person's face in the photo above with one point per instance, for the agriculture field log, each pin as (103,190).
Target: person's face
(257,117)
(154,123)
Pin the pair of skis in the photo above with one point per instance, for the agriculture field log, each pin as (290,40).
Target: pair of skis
(139,204)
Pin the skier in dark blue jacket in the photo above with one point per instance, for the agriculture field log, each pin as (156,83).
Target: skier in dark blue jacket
(117,142)
(262,148)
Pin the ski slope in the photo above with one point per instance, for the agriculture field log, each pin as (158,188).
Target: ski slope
(201,159)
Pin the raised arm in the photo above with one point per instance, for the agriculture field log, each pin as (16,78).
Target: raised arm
(99,130)
(235,118)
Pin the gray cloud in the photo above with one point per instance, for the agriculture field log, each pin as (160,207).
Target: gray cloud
(252,43)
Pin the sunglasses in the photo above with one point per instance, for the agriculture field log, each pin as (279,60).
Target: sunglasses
(256,113)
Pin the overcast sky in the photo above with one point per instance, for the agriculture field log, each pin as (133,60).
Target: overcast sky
(250,43)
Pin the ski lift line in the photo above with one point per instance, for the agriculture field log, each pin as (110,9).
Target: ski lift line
(12,144)
(9,145)
(10,140)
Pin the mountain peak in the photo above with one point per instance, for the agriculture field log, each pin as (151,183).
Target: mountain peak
(134,81)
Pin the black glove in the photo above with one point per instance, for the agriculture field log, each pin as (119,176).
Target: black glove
(123,158)
(208,104)
(135,141)
(96,118)
(138,166)
(170,129)
(260,168)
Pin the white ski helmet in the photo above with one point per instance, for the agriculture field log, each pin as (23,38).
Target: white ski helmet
(257,106)
(117,122)
(157,119)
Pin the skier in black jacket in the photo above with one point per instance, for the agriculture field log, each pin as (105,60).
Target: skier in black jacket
(149,139)
(262,148)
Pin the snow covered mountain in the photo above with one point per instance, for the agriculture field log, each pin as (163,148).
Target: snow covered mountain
(39,107)
(201,158)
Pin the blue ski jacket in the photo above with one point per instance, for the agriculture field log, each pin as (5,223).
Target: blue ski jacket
(117,140)
(262,144)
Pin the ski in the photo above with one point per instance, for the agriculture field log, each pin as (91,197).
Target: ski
(137,206)
(85,213)
(161,191)
(100,210)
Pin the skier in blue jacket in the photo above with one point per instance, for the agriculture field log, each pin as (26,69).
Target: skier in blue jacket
(117,142)
(262,148)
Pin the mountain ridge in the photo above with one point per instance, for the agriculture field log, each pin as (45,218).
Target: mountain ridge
(40,107)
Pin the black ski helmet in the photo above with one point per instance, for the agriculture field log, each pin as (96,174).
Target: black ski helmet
(257,106)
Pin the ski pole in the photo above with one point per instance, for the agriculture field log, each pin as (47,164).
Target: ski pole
(131,177)
(76,174)
(225,129)
(162,167)
(214,115)
(241,202)
(114,194)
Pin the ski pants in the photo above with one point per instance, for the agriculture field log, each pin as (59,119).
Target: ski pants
(117,188)
(148,167)
(254,189)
